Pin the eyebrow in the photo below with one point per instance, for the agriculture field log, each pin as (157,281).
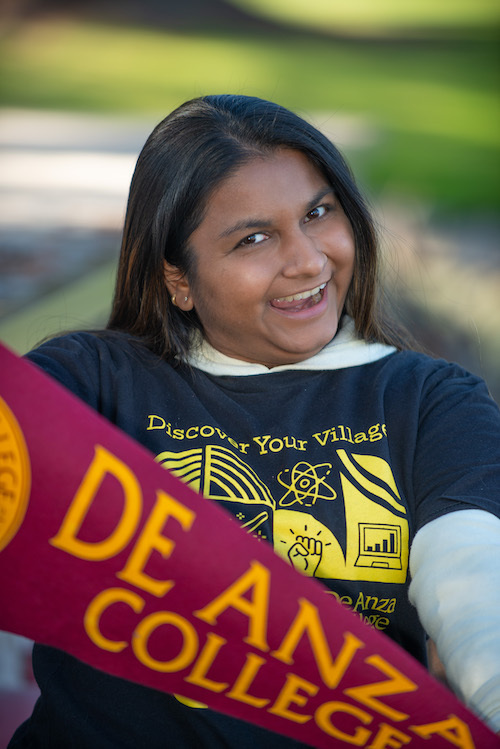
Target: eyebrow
(248,224)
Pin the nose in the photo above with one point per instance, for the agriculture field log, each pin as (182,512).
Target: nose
(302,256)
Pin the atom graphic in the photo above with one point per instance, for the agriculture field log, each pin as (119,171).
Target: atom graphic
(306,484)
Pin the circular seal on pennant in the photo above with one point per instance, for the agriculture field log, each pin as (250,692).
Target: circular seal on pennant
(15,475)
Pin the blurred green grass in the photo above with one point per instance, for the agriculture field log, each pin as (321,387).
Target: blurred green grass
(433,109)
(384,17)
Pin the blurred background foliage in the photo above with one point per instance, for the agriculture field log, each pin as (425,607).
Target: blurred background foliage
(408,90)
(424,74)
(384,18)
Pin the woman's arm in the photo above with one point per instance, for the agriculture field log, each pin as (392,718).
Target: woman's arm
(455,568)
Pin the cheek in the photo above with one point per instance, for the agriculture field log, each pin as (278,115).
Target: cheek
(344,253)
(246,281)
(221,295)
(349,241)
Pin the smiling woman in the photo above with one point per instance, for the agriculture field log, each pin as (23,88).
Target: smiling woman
(239,192)
(247,352)
(276,295)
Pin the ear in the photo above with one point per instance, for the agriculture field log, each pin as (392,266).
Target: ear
(178,287)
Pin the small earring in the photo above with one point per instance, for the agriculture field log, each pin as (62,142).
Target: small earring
(186,298)
(173,301)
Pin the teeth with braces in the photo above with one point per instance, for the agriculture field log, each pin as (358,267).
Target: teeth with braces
(303,295)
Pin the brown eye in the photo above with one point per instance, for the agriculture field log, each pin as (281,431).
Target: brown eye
(253,239)
(317,212)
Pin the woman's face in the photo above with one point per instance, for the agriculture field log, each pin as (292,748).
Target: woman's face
(274,258)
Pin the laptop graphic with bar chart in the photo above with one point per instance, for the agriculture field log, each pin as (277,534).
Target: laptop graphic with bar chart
(379,546)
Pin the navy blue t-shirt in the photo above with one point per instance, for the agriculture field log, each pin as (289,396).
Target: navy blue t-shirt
(337,469)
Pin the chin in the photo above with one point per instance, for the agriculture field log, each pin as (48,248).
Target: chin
(300,354)
(308,350)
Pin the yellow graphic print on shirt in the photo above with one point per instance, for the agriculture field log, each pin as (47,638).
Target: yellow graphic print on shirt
(377,532)
(305,484)
(218,473)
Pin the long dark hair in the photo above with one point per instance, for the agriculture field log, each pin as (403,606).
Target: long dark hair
(184,160)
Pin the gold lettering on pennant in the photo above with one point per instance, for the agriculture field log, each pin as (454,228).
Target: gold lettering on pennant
(452,729)
(150,624)
(207,656)
(367,694)
(389,737)
(96,608)
(308,622)
(103,464)
(240,688)
(257,580)
(15,475)
(151,540)
(323,718)
(290,695)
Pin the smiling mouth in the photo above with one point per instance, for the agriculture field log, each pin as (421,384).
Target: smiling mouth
(301,301)
(302,295)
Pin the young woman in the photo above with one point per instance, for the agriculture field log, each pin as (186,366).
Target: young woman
(247,351)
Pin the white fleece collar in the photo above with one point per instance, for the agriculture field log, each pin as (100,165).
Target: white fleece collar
(344,350)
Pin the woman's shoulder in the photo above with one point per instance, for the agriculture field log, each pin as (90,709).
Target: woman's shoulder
(429,377)
(421,364)
(88,362)
(91,345)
